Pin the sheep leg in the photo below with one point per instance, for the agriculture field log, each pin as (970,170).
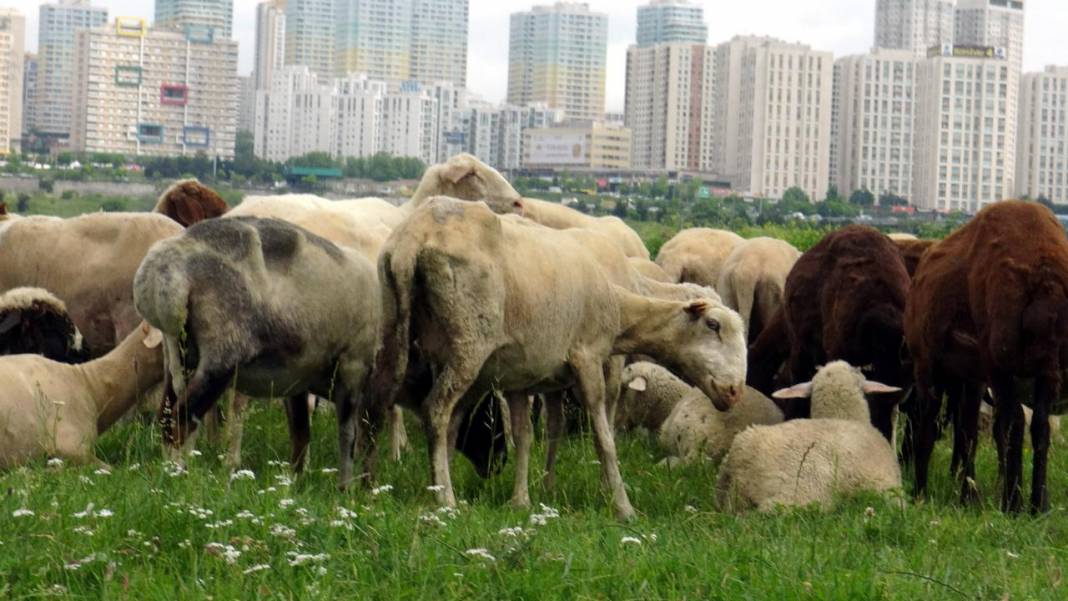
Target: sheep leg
(965,438)
(451,385)
(519,406)
(398,438)
(591,381)
(370,416)
(1008,434)
(235,428)
(299,421)
(199,396)
(554,433)
(924,432)
(613,379)
(1047,390)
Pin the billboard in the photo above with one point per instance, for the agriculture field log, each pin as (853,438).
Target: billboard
(949,50)
(556,147)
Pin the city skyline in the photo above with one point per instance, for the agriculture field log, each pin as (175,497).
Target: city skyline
(851,31)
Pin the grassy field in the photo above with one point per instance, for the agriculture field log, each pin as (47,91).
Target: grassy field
(142,530)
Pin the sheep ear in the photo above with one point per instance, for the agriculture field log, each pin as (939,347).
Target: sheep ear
(878,388)
(639,384)
(797,391)
(456,170)
(697,309)
(154,338)
(13,318)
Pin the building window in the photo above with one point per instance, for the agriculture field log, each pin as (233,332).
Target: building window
(174,94)
(150,133)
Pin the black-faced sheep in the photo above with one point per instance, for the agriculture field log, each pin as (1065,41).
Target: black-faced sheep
(458,284)
(812,461)
(268,307)
(33,321)
(989,306)
(52,409)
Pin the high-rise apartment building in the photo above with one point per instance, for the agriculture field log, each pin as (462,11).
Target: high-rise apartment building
(216,15)
(29,90)
(669,106)
(55,72)
(157,92)
(403,40)
(914,25)
(771,128)
(495,134)
(1042,138)
(12,55)
(873,122)
(270,41)
(992,23)
(671,21)
(246,104)
(557,56)
(965,143)
(310,32)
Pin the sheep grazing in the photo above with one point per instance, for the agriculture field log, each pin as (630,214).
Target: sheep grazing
(268,307)
(459,289)
(466,178)
(52,409)
(88,262)
(844,299)
(188,202)
(988,307)
(33,321)
(752,279)
(812,461)
(697,255)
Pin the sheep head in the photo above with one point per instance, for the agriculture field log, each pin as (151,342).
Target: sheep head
(838,391)
(467,178)
(707,348)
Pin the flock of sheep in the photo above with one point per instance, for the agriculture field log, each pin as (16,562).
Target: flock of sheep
(469,302)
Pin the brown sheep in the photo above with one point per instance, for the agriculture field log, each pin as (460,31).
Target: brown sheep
(188,202)
(844,299)
(989,306)
(912,251)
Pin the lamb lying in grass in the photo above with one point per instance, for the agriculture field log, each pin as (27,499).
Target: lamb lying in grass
(695,428)
(812,461)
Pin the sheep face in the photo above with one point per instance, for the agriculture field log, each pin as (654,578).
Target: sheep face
(466,178)
(709,350)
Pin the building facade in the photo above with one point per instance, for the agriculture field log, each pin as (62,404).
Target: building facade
(12,73)
(29,91)
(965,143)
(310,32)
(592,146)
(141,91)
(270,41)
(873,122)
(671,22)
(217,15)
(669,106)
(1042,139)
(557,57)
(914,25)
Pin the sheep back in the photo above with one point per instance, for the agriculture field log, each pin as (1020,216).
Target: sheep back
(33,320)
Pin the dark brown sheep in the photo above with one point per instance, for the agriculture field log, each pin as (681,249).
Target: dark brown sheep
(988,307)
(844,299)
(912,251)
(189,202)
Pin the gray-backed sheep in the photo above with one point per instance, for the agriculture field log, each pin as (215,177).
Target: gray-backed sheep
(694,429)
(752,279)
(52,409)
(268,307)
(812,461)
(697,255)
(458,287)
(33,321)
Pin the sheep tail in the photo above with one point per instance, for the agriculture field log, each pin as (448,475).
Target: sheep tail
(161,293)
(396,272)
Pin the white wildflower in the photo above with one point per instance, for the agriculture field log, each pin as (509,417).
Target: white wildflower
(869,512)
(286,503)
(221,524)
(345,513)
(134,467)
(86,530)
(651,537)
(257,568)
(173,469)
(85,480)
(341,524)
(282,480)
(512,532)
(55,462)
(299,559)
(195,453)
(431,519)
(103,471)
(480,554)
(201,513)
(76,565)
(133,533)
(690,509)
(22,513)
(329,470)
(227,552)
(104,513)
(57,590)
(321,571)
(86,513)
(381,489)
(630,540)
(282,531)
(436,488)
(245,515)
(243,475)
(275,463)
(1012,555)
(185,544)
(547,513)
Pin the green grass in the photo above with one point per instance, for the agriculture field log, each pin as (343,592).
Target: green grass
(156,544)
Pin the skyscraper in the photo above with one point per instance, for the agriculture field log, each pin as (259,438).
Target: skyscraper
(671,21)
(29,90)
(402,40)
(216,14)
(557,56)
(12,54)
(1042,139)
(914,25)
(270,41)
(995,23)
(310,30)
(55,71)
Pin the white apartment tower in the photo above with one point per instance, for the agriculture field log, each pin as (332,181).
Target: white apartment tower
(1042,139)
(12,55)
(965,142)
(913,25)
(557,56)
(410,123)
(669,106)
(310,30)
(993,23)
(141,91)
(270,41)
(873,123)
(29,90)
(439,42)
(55,55)
(772,124)
(671,21)
(216,15)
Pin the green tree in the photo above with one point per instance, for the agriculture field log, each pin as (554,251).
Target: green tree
(661,187)
(889,199)
(862,198)
(832,194)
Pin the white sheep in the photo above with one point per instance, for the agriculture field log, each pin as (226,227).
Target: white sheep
(812,461)
(696,429)
(697,255)
(648,395)
(34,321)
(50,409)
(752,280)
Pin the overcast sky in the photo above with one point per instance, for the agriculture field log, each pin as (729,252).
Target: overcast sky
(841,26)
